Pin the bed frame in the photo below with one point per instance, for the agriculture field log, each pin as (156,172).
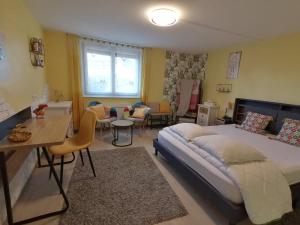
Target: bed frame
(235,212)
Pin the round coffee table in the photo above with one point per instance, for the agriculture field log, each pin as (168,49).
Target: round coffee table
(116,125)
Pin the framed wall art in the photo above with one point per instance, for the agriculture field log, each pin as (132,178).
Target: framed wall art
(2,53)
(3,58)
(234,64)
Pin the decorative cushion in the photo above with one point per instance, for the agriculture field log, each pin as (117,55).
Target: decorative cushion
(99,110)
(256,122)
(139,113)
(290,132)
(107,111)
(164,107)
(146,109)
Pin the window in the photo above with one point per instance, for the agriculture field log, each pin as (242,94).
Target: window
(111,71)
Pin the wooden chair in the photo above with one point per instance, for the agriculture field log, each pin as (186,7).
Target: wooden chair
(82,140)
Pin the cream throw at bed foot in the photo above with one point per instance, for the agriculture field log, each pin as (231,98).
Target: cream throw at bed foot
(265,191)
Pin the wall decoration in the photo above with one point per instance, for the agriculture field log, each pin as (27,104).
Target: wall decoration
(36,49)
(224,88)
(3,59)
(2,53)
(234,64)
(182,66)
(5,109)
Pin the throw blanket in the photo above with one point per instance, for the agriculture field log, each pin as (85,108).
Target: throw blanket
(185,96)
(195,95)
(266,193)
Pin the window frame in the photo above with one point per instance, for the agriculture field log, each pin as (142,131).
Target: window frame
(113,51)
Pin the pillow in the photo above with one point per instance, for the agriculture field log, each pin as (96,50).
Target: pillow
(228,150)
(99,110)
(146,109)
(290,132)
(190,130)
(255,122)
(107,111)
(139,113)
(164,107)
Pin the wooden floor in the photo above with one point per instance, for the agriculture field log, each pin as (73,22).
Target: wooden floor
(40,194)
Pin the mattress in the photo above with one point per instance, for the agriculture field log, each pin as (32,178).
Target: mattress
(205,168)
(287,157)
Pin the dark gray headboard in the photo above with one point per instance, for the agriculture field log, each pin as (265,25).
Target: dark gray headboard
(279,111)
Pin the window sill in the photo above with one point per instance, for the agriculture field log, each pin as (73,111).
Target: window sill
(114,96)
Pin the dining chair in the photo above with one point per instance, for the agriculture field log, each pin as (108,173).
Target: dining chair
(82,140)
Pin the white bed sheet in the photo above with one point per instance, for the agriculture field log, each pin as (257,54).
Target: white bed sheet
(206,169)
(287,157)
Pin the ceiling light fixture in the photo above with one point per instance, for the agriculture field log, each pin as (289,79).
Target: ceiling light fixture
(164,17)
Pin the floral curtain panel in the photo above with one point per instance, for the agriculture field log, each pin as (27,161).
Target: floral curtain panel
(182,66)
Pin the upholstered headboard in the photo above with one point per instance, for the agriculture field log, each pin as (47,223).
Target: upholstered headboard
(279,111)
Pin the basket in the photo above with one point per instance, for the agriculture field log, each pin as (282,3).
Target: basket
(19,136)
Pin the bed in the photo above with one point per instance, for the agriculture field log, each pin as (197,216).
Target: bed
(209,176)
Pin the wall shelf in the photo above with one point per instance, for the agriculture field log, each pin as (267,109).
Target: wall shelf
(224,88)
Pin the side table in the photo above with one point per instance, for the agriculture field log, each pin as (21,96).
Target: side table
(116,125)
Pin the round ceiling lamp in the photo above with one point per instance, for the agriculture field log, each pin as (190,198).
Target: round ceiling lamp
(164,17)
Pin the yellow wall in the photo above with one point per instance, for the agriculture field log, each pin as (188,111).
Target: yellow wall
(58,78)
(269,70)
(156,74)
(56,59)
(20,80)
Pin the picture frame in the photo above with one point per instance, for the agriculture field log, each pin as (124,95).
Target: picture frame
(234,61)
(2,51)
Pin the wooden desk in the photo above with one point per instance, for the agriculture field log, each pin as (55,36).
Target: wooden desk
(45,132)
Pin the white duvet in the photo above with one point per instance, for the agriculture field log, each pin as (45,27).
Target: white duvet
(265,190)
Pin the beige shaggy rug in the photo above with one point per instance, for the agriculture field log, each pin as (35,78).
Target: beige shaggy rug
(128,190)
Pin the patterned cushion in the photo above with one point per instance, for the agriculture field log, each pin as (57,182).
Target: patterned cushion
(139,113)
(256,122)
(290,132)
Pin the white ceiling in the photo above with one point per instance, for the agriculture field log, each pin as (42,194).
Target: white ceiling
(205,24)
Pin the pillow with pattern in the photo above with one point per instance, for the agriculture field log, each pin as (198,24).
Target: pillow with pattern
(255,122)
(290,132)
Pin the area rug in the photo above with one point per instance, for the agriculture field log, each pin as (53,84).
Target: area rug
(128,190)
